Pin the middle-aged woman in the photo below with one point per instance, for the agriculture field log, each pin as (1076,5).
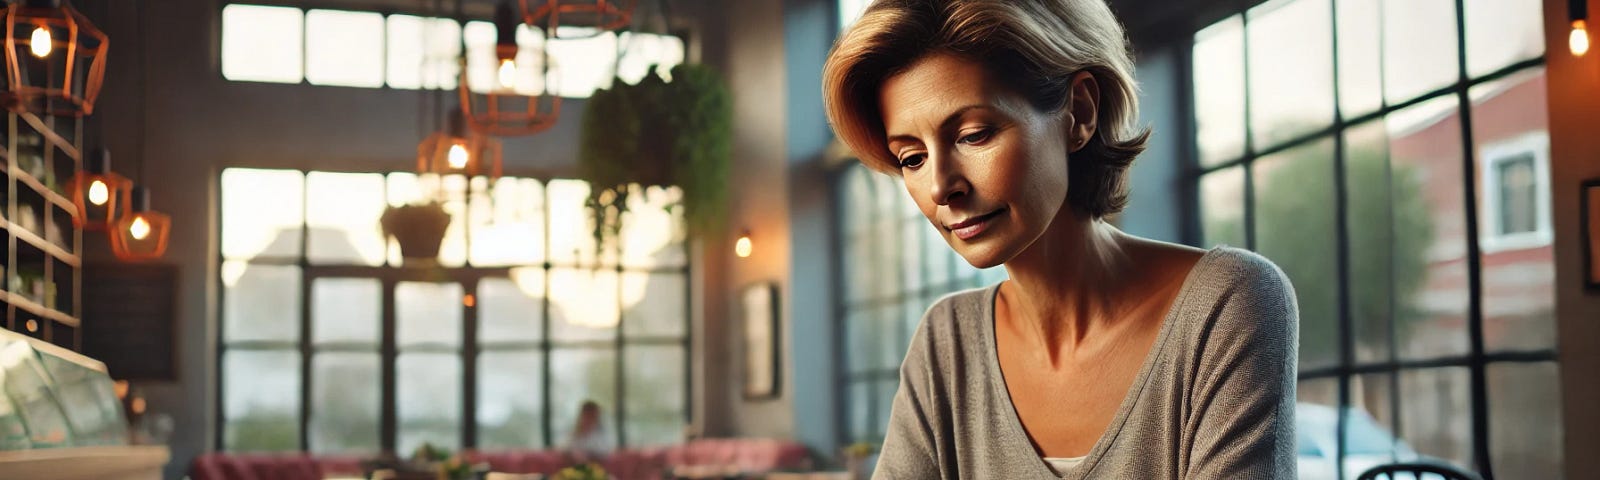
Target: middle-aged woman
(1105,355)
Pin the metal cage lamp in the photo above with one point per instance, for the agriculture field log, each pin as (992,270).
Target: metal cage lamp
(457,151)
(598,15)
(55,58)
(507,109)
(142,233)
(100,195)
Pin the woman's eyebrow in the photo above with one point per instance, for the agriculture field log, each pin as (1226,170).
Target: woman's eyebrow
(949,121)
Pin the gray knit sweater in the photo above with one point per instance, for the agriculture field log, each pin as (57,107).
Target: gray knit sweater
(1214,399)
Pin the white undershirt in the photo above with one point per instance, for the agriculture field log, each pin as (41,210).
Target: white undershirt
(1061,465)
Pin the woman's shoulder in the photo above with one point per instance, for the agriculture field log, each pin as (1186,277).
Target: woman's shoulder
(958,309)
(1243,291)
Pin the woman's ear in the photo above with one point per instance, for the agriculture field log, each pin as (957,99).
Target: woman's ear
(1083,110)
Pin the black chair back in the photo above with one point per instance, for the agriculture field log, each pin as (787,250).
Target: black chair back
(1417,471)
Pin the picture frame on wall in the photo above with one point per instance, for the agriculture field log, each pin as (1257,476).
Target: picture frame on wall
(1589,228)
(758,306)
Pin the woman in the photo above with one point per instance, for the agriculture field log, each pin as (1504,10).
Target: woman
(589,441)
(1011,124)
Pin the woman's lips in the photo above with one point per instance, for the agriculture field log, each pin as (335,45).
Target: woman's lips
(971,227)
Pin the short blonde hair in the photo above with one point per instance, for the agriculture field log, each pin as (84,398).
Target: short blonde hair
(1036,46)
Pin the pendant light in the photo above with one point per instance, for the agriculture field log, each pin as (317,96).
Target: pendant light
(101,195)
(1578,38)
(457,151)
(512,106)
(142,233)
(593,16)
(55,58)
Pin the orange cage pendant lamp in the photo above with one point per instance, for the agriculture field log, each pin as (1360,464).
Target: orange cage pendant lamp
(142,233)
(100,195)
(55,58)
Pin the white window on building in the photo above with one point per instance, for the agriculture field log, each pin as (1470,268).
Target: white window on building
(1516,193)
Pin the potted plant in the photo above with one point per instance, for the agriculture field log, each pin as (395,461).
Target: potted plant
(658,133)
(418,228)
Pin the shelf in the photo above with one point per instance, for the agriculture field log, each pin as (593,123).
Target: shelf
(48,248)
(49,195)
(51,136)
(36,308)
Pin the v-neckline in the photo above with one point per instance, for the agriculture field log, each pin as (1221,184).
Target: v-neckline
(1020,434)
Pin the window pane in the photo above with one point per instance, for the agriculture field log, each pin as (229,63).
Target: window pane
(652,230)
(910,252)
(1433,413)
(346,310)
(261,401)
(1510,122)
(509,230)
(644,50)
(1428,205)
(509,313)
(859,267)
(344,48)
(658,304)
(1219,90)
(260,302)
(582,65)
(1502,32)
(860,403)
(579,375)
(849,11)
(261,44)
(1222,208)
(940,257)
(861,333)
(1291,74)
(262,212)
(1525,420)
(346,402)
(344,225)
(584,304)
(885,402)
(1370,228)
(886,349)
(654,380)
(510,407)
(1316,420)
(1295,227)
(1369,432)
(428,386)
(422,52)
(1419,47)
(574,245)
(428,314)
(1360,57)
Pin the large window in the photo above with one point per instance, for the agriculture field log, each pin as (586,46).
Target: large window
(1389,156)
(329,344)
(369,49)
(893,266)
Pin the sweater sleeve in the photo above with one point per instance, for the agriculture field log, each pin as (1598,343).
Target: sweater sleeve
(909,447)
(1242,420)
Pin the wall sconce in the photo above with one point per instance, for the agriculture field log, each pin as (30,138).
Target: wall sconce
(1578,40)
(142,233)
(55,58)
(455,151)
(742,247)
(100,194)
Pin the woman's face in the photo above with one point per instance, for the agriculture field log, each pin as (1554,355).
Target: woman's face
(986,168)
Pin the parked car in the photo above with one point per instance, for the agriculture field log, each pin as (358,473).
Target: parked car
(1367,444)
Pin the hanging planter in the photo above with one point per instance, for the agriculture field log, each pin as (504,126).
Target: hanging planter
(658,133)
(419,229)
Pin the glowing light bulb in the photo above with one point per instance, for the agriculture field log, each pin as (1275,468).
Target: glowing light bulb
(508,73)
(41,42)
(99,193)
(742,247)
(458,156)
(140,229)
(1578,41)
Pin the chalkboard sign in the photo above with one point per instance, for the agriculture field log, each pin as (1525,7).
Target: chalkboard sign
(128,319)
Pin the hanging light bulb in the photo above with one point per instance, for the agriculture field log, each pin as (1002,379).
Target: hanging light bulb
(508,73)
(458,156)
(742,247)
(41,42)
(99,193)
(1578,41)
(139,228)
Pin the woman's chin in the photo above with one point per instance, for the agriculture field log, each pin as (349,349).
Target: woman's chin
(983,254)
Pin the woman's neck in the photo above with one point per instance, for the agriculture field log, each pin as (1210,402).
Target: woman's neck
(1062,287)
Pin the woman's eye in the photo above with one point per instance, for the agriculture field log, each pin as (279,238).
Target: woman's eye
(912,161)
(977,137)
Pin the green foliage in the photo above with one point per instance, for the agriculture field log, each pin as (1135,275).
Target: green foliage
(658,133)
(1389,227)
(587,471)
